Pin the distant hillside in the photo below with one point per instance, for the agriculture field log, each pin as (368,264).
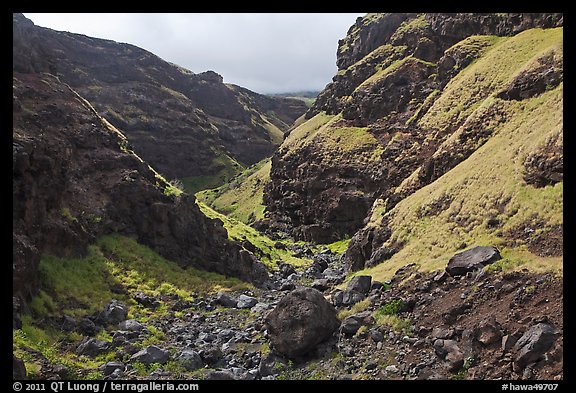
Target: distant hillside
(186,125)
(308,97)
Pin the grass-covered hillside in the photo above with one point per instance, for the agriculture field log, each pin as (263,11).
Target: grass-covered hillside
(486,198)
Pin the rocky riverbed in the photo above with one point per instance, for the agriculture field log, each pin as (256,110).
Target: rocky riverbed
(482,324)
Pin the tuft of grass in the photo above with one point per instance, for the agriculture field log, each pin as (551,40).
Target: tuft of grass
(356,308)
(393,307)
(398,325)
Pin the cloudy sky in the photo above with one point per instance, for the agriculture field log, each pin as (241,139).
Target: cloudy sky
(267,53)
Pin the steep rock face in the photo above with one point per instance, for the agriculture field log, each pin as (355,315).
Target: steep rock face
(374,134)
(74,179)
(184,124)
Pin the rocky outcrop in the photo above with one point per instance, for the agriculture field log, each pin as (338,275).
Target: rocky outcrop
(74,179)
(300,321)
(183,124)
(472,259)
(393,68)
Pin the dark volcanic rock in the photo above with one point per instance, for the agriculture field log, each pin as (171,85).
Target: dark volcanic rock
(392,69)
(533,344)
(300,321)
(472,259)
(189,359)
(151,354)
(360,284)
(184,124)
(115,312)
(92,347)
(18,368)
(74,180)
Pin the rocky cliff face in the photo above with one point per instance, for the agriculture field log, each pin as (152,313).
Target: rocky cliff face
(74,179)
(184,124)
(391,121)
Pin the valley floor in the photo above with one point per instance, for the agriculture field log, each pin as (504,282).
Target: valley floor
(162,326)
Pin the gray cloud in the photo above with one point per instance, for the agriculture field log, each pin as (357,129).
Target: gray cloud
(267,53)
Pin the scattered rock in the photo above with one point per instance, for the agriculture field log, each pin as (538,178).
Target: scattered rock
(111,367)
(472,259)
(508,342)
(151,354)
(321,284)
(360,284)
(131,325)
(67,323)
(489,332)
(392,369)
(259,308)
(533,344)
(443,333)
(189,359)
(18,368)
(440,277)
(300,321)
(451,353)
(245,301)
(225,300)
(350,325)
(92,347)
(211,355)
(146,300)
(220,375)
(270,364)
(115,312)
(87,327)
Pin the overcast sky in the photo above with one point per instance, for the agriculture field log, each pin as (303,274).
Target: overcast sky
(267,53)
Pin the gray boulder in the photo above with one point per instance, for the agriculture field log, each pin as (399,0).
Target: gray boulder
(189,359)
(92,347)
(225,300)
(111,367)
(350,325)
(451,353)
(115,312)
(360,284)
(533,344)
(300,321)
(151,354)
(245,301)
(131,325)
(472,259)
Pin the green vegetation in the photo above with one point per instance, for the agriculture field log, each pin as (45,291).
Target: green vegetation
(224,167)
(266,250)
(338,247)
(503,59)
(356,308)
(489,184)
(242,197)
(114,268)
(80,286)
(302,134)
(393,307)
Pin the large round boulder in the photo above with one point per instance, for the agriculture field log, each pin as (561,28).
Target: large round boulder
(300,321)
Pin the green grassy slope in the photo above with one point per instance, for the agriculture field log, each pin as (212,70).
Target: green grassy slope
(484,198)
(241,198)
